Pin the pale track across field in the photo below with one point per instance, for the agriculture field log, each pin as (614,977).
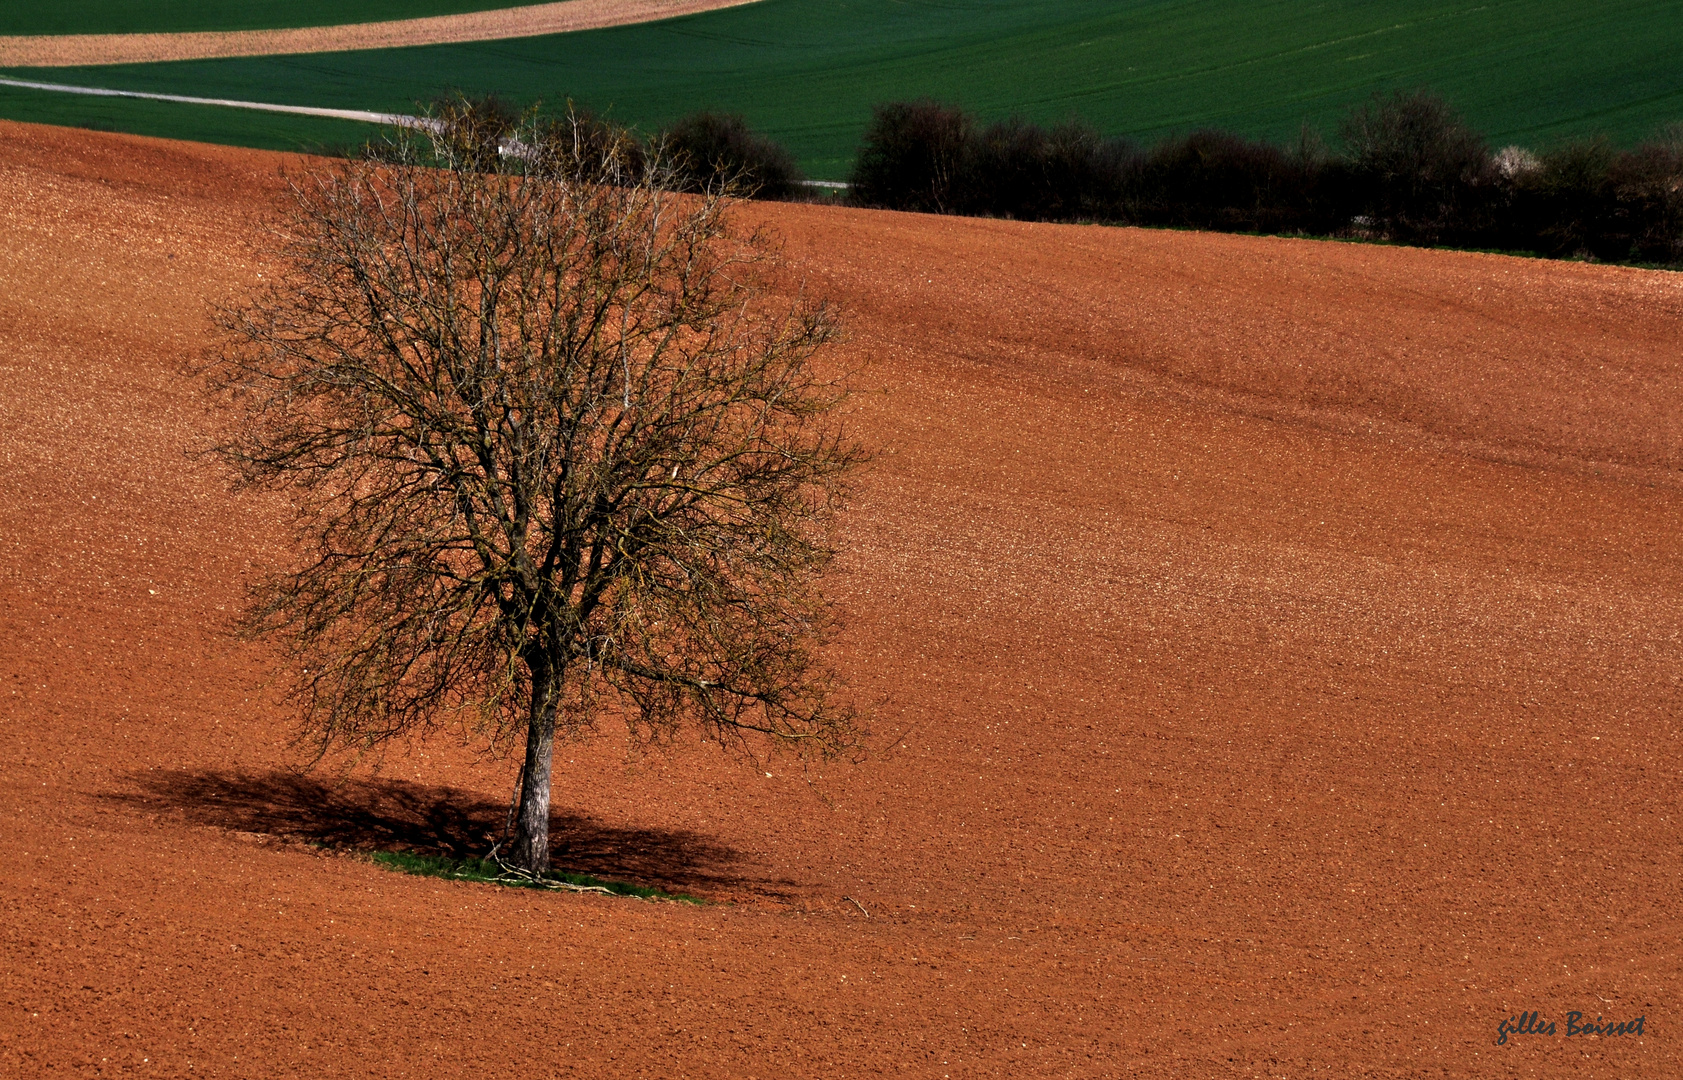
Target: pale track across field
(77,50)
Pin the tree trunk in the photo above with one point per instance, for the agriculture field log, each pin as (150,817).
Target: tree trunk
(530,851)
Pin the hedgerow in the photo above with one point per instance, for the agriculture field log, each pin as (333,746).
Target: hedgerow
(1408,169)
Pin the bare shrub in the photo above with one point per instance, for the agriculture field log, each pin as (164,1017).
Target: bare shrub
(1647,187)
(717,151)
(582,147)
(1426,175)
(1568,199)
(1514,163)
(1018,169)
(913,157)
(1212,179)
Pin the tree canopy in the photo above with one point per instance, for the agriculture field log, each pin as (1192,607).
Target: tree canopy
(556,451)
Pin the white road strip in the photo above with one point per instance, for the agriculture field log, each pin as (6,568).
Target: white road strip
(399,119)
(301,110)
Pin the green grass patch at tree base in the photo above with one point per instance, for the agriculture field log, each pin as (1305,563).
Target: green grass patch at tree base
(489,872)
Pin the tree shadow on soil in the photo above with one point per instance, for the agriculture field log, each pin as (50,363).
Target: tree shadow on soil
(382,814)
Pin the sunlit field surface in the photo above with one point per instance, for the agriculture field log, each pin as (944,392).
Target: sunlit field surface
(176,16)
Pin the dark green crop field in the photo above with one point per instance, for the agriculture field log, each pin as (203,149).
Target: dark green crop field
(174,16)
(202,123)
(808,71)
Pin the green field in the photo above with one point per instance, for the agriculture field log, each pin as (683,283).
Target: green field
(202,123)
(174,16)
(808,71)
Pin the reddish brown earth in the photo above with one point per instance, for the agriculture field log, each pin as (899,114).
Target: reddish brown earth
(1275,647)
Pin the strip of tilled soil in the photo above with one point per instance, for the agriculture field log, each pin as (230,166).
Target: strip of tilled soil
(76,50)
(1274,647)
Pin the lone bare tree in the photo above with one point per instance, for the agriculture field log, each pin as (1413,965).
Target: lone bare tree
(555,454)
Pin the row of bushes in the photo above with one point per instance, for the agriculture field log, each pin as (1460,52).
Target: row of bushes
(1409,169)
(703,150)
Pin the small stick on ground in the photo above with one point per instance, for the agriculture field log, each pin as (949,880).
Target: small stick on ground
(858,905)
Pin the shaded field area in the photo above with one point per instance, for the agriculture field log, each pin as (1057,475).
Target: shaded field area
(187,16)
(808,71)
(385,814)
(1272,645)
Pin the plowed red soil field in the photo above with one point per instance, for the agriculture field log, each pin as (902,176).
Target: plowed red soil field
(1274,649)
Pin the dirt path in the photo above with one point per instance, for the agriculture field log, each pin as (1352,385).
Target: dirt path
(83,49)
(1275,651)
(360,115)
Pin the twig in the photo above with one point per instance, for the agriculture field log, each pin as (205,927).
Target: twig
(508,820)
(858,905)
(569,886)
(514,875)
